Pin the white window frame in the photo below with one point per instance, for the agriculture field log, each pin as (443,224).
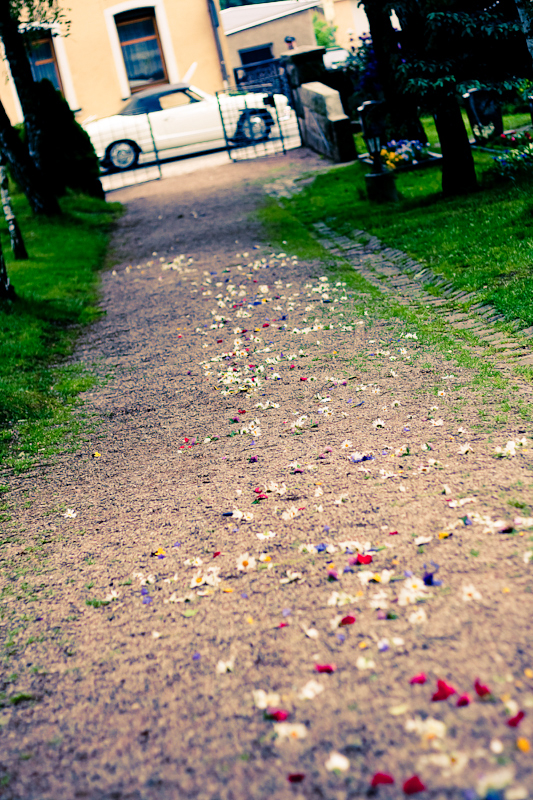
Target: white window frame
(164,37)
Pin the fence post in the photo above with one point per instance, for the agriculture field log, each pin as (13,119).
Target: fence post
(156,151)
(224,125)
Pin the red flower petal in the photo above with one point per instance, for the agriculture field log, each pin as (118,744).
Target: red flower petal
(393,533)
(348,620)
(381,778)
(481,689)
(420,678)
(363,559)
(218,552)
(413,785)
(283,625)
(514,722)
(277,714)
(295,777)
(444,690)
(464,700)
(329,668)
(303,379)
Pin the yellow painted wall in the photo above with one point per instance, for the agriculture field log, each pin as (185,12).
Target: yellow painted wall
(92,66)
(349,17)
(298,25)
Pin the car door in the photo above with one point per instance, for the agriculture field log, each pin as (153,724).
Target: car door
(187,121)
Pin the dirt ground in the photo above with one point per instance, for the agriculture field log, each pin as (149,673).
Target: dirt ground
(288,524)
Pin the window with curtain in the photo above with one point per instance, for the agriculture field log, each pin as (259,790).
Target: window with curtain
(43,58)
(141,48)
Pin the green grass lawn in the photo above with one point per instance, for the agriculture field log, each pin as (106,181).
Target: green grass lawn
(481,242)
(57,292)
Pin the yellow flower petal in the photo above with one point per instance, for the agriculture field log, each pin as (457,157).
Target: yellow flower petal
(523,744)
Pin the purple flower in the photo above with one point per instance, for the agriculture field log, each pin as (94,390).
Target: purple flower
(429,577)
(196,656)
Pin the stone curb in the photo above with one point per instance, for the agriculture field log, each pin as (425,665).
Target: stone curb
(391,270)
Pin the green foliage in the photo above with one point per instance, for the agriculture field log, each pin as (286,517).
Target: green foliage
(516,163)
(324,33)
(57,292)
(66,153)
(445,46)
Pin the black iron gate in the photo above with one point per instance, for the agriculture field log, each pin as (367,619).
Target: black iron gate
(270,74)
(258,119)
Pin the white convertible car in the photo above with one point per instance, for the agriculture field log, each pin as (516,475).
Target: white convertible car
(180,119)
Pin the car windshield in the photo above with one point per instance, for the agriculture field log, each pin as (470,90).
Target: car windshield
(161,100)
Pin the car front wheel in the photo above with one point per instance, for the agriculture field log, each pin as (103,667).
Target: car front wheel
(122,155)
(254,127)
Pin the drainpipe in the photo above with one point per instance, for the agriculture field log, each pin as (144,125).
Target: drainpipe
(216,24)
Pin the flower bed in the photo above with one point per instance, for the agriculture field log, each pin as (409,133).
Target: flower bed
(405,155)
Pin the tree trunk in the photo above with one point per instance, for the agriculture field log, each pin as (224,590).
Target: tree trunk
(24,170)
(525,12)
(7,292)
(17,242)
(458,171)
(41,198)
(19,64)
(402,110)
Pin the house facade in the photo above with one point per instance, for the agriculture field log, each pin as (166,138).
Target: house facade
(114,49)
(350,20)
(258,33)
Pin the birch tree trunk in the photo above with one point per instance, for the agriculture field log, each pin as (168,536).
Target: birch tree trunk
(17,242)
(7,291)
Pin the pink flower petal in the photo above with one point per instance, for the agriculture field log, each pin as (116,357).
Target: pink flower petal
(463,700)
(515,721)
(329,668)
(444,690)
(381,779)
(413,785)
(295,777)
(481,689)
(277,714)
(348,620)
(420,678)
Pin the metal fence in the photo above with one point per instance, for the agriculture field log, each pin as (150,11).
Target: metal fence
(268,74)
(124,130)
(262,124)
(255,122)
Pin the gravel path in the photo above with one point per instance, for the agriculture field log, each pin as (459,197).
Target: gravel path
(290,560)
